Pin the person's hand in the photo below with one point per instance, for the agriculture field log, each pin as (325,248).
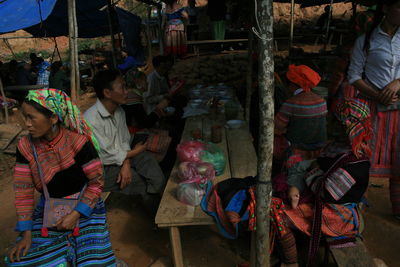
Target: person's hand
(125,175)
(389,93)
(22,247)
(68,222)
(140,147)
(294,196)
(163,104)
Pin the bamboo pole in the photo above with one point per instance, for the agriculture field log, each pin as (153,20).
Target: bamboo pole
(266,87)
(73,49)
(110,25)
(4,99)
(291,24)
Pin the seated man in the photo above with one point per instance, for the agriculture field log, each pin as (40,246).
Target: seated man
(126,170)
(158,87)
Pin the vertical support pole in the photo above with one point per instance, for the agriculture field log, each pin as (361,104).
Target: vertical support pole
(175,238)
(328,25)
(73,49)
(291,24)
(148,33)
(110,25)
(4,99)
(249,75)
(161,30)
(266,87)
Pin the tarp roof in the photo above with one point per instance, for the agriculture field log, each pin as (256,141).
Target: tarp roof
(19,14)
(49,18)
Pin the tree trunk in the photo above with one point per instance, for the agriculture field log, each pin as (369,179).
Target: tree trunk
(266,87)
(73,49)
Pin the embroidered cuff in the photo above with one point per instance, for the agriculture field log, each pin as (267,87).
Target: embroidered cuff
(24,226)
(84,209)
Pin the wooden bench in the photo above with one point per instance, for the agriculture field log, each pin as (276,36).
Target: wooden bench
(241,162)
(196,44)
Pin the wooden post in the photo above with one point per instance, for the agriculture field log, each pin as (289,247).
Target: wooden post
(73,49)
(148,33)
(4,99)
(291,24)
(110,25)
(161,30)
(328,25)
(266,87)
(249,75)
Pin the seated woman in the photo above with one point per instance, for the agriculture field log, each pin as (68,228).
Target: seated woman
(59,159)
(336,180)
(302,118)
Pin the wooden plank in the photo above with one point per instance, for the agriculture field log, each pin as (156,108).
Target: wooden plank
(353,256)
(173,212)
(176,246)
(242,155)
(200,42)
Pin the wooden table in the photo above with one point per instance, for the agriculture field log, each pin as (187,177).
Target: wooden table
(241,162)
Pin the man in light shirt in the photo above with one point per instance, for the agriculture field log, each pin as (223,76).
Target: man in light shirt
(131,171)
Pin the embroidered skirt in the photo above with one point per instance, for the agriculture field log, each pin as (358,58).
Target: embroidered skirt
(91,248)
(175,39)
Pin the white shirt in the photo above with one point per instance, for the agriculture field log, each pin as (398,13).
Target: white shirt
(382,64)
(111,131)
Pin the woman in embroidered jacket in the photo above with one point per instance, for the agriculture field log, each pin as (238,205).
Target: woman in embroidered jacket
(375,72)
(323,192)
(66,153)
(302,118)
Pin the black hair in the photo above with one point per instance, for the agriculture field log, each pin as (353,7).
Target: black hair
(158,60)
(103,79)
(378,17)
(39,108)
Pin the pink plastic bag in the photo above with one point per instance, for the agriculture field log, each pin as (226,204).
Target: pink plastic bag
(196,172)
(190,151)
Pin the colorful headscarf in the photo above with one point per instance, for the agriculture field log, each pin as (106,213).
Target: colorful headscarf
(355,115)
(68,113)
(303,76)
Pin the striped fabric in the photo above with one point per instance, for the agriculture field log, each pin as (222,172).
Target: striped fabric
(302,118)
(54,156)
(91,248)
(385,148)
(339,183)
(304,105)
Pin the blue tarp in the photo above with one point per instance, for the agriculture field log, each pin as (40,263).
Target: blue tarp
(49,18)
(91,21)
(19,14)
